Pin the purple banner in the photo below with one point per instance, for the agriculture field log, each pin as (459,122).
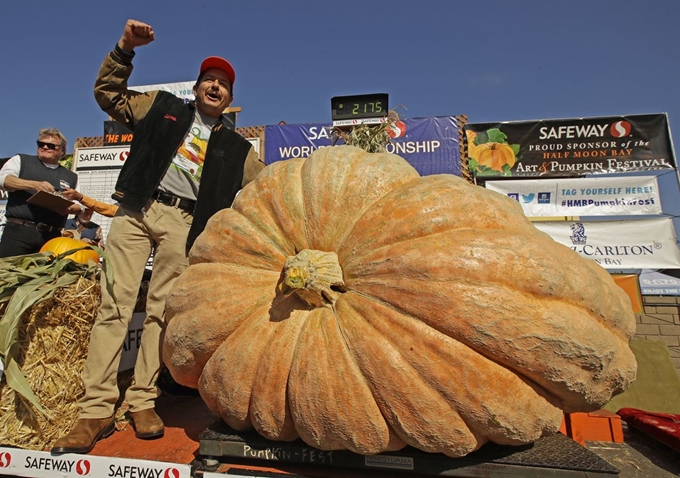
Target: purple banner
(431,145)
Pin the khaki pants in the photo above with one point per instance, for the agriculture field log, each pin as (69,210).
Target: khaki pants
(133,236)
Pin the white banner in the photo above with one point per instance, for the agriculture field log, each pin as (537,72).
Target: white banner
(639,244)
(183,89)
(41,464)
(103,157)
(631,195)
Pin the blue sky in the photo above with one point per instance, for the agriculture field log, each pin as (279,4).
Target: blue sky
(492,60)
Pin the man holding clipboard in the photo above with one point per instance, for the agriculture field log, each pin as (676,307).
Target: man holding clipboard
(34,213)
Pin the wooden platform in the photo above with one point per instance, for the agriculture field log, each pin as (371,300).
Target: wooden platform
(551,456)
(187,421)
(184,417)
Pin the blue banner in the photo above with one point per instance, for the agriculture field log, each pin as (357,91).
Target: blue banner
(431,145)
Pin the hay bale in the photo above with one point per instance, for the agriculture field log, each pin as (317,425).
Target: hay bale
(53,343)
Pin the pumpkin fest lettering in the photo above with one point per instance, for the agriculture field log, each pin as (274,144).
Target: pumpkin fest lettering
(303,455)
(609,165)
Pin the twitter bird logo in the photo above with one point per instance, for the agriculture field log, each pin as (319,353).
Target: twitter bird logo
(527,198)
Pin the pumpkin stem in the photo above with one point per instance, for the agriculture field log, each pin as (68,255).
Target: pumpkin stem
(315,276)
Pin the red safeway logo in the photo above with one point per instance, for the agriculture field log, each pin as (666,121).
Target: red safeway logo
(83,467)
(123,156)
(171,473)
(397,130)
(5,459)
(620,129)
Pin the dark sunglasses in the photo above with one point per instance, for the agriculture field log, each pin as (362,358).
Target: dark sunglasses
(52,146)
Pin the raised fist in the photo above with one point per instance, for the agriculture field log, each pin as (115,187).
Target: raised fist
(135,34)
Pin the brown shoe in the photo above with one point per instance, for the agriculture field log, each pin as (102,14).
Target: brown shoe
(84,435)
(147,424)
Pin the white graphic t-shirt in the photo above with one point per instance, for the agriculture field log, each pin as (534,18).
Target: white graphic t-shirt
(184,174)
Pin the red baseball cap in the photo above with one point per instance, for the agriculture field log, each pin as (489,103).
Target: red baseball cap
(221,64)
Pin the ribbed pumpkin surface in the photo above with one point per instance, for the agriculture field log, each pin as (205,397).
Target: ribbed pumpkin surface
(447,320)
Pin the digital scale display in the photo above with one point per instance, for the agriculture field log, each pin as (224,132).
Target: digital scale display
(359,109)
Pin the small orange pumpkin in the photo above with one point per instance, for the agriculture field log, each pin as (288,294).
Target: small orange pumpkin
(494,155)
(63,244)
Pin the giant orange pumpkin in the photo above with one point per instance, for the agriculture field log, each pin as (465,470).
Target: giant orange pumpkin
(64,244)
(349,302)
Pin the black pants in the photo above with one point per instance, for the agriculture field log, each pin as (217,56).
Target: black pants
(19,239)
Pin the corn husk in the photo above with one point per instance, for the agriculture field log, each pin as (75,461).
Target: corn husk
(372,138)
(48,304)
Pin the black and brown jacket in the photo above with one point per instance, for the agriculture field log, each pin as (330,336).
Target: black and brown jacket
(160,122)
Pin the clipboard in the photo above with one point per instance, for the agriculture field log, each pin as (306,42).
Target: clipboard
(49,201)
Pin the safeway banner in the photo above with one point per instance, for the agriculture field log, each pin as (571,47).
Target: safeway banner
(100,158)
(42,464)
(603,196)
(431,145)
(635,244)
(570,147)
